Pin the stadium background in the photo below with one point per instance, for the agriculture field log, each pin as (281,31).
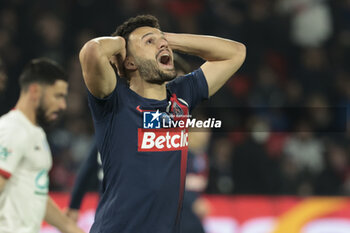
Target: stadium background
(298,54)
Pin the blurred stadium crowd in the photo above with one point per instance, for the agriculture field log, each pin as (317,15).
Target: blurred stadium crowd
(297,70)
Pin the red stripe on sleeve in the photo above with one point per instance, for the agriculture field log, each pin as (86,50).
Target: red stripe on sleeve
(5,174)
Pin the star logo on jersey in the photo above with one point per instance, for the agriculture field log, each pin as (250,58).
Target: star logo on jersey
(4,153)
(151,120)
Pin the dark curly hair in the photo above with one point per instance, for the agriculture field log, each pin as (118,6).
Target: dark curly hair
(131,24)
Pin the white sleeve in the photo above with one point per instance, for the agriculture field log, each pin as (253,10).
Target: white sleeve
(12,142)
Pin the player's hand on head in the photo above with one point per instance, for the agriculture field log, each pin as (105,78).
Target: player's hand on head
(120,64)
(118,61)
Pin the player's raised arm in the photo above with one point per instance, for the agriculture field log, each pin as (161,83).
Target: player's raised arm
(223,57)
(96,57)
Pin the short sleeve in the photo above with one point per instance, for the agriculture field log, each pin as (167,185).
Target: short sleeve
(101,108)
(193,88)
(12,150)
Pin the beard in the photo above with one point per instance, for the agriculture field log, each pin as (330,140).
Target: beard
(42,118)
(151,73)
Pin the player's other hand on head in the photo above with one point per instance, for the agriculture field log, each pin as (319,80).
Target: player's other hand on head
(73,214)
(118,61)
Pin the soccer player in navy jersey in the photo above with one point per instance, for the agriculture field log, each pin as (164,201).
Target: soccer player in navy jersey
(90,172)
(144,168)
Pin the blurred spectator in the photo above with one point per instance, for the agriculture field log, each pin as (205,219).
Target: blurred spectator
(319,112)
(3,87)
(253,172)
(304,150)
(311,21)
(185,13)
(49,31)
(303,158)
(3,78)
(267,91)
(8,33)
(332,180)
(294,93)
(314,72)
(230,13)
(221,170)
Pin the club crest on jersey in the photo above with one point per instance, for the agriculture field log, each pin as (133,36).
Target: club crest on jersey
(177,110)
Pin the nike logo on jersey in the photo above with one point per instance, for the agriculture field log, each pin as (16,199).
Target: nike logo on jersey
(141,110)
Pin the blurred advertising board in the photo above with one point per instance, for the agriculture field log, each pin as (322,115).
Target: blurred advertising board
(251,214)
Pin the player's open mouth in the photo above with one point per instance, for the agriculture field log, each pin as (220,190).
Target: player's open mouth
(164,58)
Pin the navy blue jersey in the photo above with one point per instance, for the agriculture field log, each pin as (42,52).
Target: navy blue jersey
(87,179)
(144,169)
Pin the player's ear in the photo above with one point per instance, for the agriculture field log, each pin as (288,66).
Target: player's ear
(34,88)
(35,91)
(129,63)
